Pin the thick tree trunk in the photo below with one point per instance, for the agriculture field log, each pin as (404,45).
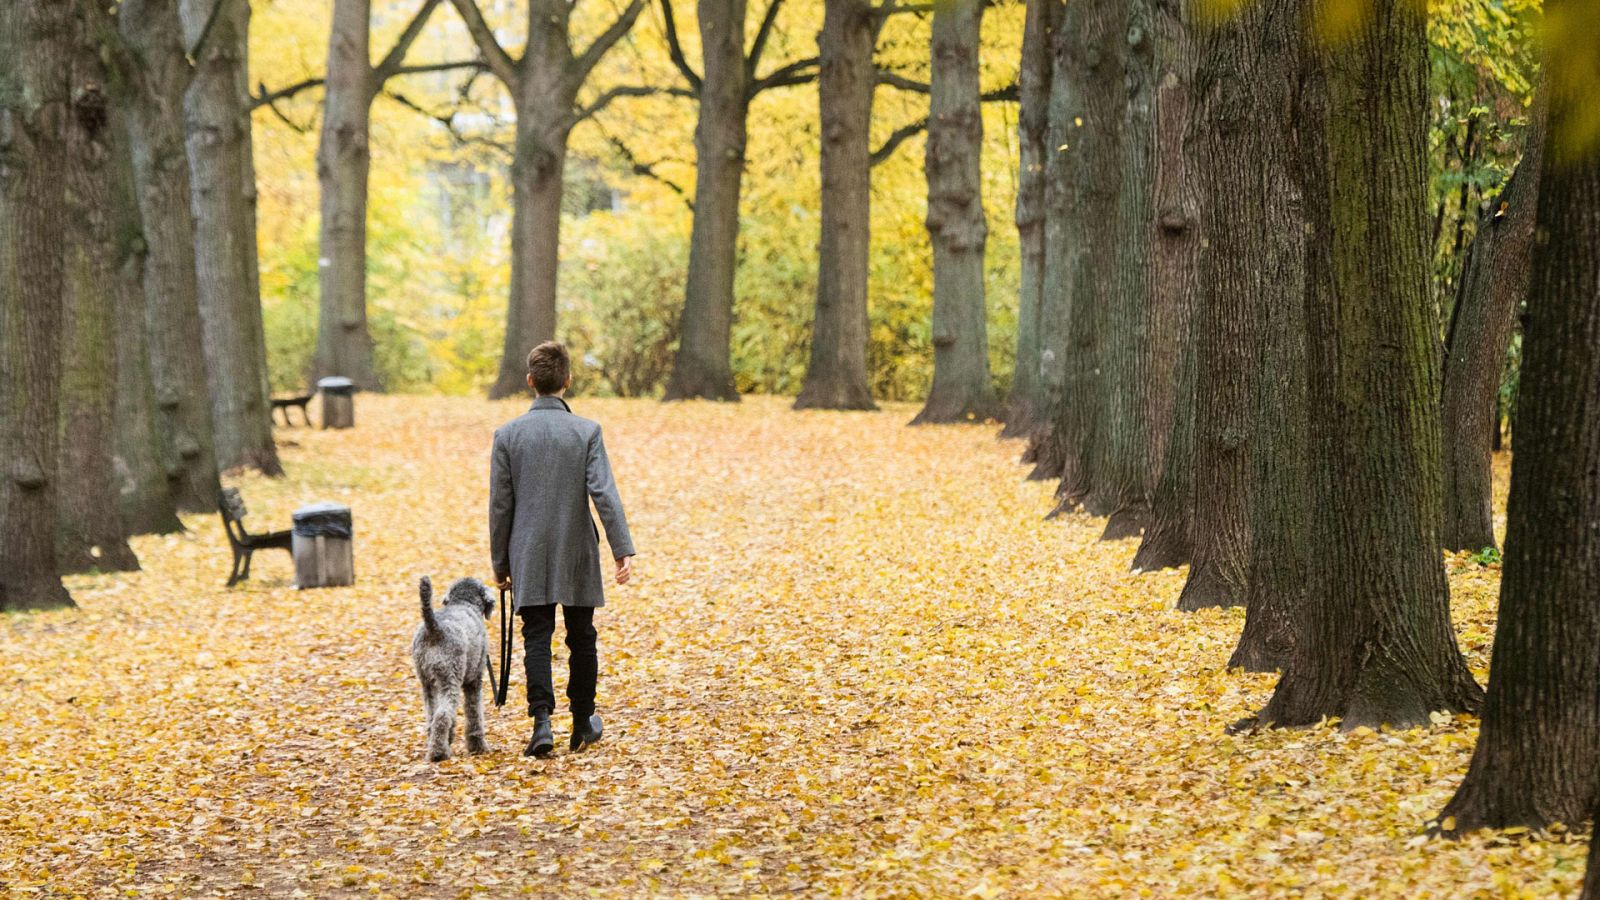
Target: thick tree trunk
(87,536)
(1374,644)
(143,491)
(1045,449)
(35,46)
(344,346)
(702,367)
(1025,404)
(837,375)
(1494,280)
(962,389)
(1538,755)
(1122,470)
(1085,120)
(536,180)
(161,176)
(217,119)
(1175,286)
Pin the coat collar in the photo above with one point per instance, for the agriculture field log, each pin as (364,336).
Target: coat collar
(550,403)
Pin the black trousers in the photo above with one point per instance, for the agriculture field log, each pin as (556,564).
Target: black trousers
(538,627)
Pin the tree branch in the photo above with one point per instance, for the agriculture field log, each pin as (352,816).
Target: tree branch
(759,45)
(263,97)
(499,62)
(786,76)
(397,54)
(896,80)
(631,90)
(898,137)
(448,120)
(675,47)
(590,57)
(648,170)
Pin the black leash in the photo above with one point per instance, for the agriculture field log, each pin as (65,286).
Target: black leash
(501,685)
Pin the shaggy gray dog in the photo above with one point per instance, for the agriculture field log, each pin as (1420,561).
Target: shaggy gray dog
(449,650)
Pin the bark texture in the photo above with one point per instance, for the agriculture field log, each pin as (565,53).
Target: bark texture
(1025,404)
(35,47)
(217,119)
(1493,283)
(88,536)
(962,390)
(1537,760)
(1374,643)
(702,367)
(1175,286)
(837,375)
(144,494)
(171,290)
(1122,482)
(344,345)
(1085,124)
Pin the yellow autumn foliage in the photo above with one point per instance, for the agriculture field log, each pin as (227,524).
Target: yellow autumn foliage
(854,660)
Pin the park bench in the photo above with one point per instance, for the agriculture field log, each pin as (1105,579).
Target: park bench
(243,542)
(285,403)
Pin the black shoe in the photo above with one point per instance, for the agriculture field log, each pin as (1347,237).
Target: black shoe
(586,733)
(542,741)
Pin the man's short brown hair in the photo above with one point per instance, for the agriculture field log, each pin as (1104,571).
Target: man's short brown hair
(549,366)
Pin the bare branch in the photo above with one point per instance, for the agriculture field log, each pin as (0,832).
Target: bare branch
(675,48)
(898,137)
(263,97)
(397,54)
(1007,94)
(896,80)
(800,71)
(500,63)
(890,8)
(631,90)
(589,58)
(759,45)
(648,170)
(448,120)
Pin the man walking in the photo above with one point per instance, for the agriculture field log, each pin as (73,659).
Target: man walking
(547,465)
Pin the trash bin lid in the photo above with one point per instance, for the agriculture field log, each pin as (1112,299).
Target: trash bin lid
(336,384)
(323,520)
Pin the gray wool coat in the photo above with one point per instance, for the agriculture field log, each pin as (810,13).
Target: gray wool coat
(547,465)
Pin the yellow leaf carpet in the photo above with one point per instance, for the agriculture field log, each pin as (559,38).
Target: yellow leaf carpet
(854,660)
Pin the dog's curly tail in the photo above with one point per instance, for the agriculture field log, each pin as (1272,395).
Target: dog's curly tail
(426,590)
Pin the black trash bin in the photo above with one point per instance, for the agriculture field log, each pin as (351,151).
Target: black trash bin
(324,554)
(338,402)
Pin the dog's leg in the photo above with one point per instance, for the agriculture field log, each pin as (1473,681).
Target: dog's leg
(441,723)
(473,691)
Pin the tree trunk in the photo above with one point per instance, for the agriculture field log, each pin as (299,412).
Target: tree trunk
(1374,644)
(962,390)
(143,490)
(537,172)
(344,346)
(1045,449)
(1175,285)
(1024,405)
(87,537)
(161,177)
(1085,119)
(702,367)
(1123,481)
(837,375)
(1538,755)
(35,46)
(1494,280)
(217,120)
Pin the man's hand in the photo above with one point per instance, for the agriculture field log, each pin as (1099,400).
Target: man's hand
(503,582)
(624,569)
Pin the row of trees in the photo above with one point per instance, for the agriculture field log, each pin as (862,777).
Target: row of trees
(1237,353)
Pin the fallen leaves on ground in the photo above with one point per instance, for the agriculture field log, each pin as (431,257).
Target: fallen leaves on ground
(854,660)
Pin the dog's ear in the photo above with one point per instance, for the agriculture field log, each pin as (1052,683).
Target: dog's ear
(488,601)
